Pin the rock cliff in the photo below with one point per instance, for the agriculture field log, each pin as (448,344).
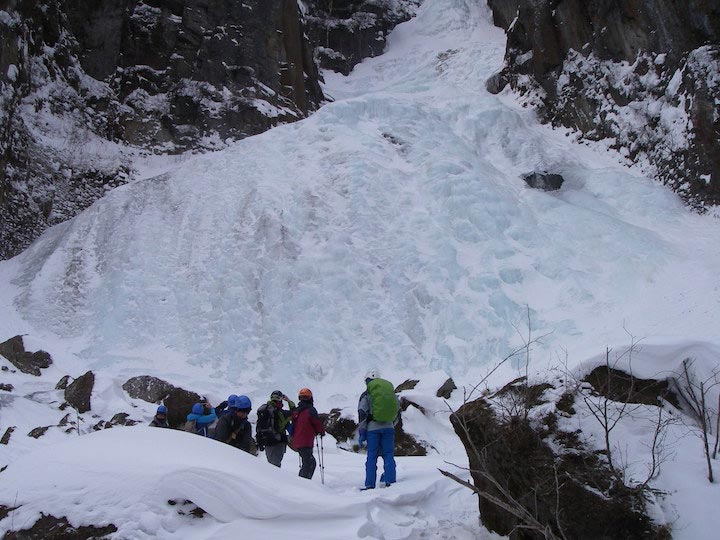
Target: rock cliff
(643,74)
(88,85)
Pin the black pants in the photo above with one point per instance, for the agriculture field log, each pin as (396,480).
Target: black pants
(307,469)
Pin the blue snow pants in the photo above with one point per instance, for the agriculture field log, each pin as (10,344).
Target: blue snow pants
(380,442)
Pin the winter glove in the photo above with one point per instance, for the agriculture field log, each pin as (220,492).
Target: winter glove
(362,438)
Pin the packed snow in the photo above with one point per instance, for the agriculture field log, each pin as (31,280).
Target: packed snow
(392,229)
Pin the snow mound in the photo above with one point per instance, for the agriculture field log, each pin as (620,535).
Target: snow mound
(127,476)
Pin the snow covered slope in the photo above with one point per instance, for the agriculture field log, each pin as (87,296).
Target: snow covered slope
(390,228)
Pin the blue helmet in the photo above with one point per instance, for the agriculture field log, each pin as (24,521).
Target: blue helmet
(231,399)
(198,408)
(162,409)
(241,402)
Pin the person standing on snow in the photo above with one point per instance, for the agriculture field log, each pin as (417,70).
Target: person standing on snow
(233,427)
(271,425)
(199,420)
(160,419)
(305,426)
(378,413)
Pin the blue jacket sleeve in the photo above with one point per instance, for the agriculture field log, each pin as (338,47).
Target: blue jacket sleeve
(203,419)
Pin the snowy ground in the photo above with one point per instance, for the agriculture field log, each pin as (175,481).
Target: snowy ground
(390,229)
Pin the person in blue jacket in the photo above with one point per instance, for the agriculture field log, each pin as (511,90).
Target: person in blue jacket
(203,416)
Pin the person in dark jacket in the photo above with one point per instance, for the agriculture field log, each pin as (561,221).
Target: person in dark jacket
(272,425)
(234,429)
(224,407)
(160,419)
(305,426)
(203,415)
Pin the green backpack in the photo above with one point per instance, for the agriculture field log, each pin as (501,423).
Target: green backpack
(383,403)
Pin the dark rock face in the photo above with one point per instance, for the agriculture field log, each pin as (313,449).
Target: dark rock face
(162,76)
(38,432)
(6,387)
(407,385)
(53,528)
(515,453)
(620,386)
(31,363)
(346,31)
(63,383)
(78,392)
(445,391)
(147,388)
(342,428)
(406,444)
(153,390)
(644,73)
(5,439)
(544,181)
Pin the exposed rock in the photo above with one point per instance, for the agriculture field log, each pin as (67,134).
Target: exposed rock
(147,388)
(78,392)
(153,390)
(38,432)
(52,528)
(543,180)
(63,383)
(6,436)
(620,386)
(405,403)
(407,385)
(6,387)
(617,70)
(65,420)
(187,508)
(406,444)
(121,419)
(179,403)
(346,31)
(164,76)
(445,391)
(340,427)
(31,363)
(517,456)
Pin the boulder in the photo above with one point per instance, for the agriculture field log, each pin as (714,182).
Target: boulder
(342,428)
(446,389)
(38,432)
(147,388)
(53,528)
(31,363)
(619,385)
(63,383)
(544,181)
(179,403)
(78,392)
(407,385)
(6,387)
(406,444)
(5,439)
(153,390)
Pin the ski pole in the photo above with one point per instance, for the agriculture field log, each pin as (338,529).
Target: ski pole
(322,469)
(322,465)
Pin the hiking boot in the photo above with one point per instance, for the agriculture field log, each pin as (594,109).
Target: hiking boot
(366,488)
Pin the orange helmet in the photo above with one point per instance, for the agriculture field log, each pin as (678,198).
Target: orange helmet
(305,393)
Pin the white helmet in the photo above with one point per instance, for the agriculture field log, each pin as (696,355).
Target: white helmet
(372,374)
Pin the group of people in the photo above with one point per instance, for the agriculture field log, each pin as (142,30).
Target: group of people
(298,426)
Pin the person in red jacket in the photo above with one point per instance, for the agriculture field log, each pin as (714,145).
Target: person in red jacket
(305,426)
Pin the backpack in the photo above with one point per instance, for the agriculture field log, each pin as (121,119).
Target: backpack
(265,430)
(383,403)
(190,426)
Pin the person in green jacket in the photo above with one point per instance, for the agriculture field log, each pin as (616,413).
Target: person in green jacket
(272,423)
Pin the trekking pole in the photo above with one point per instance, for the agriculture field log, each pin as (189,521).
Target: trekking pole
(322,464)
(322,468)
